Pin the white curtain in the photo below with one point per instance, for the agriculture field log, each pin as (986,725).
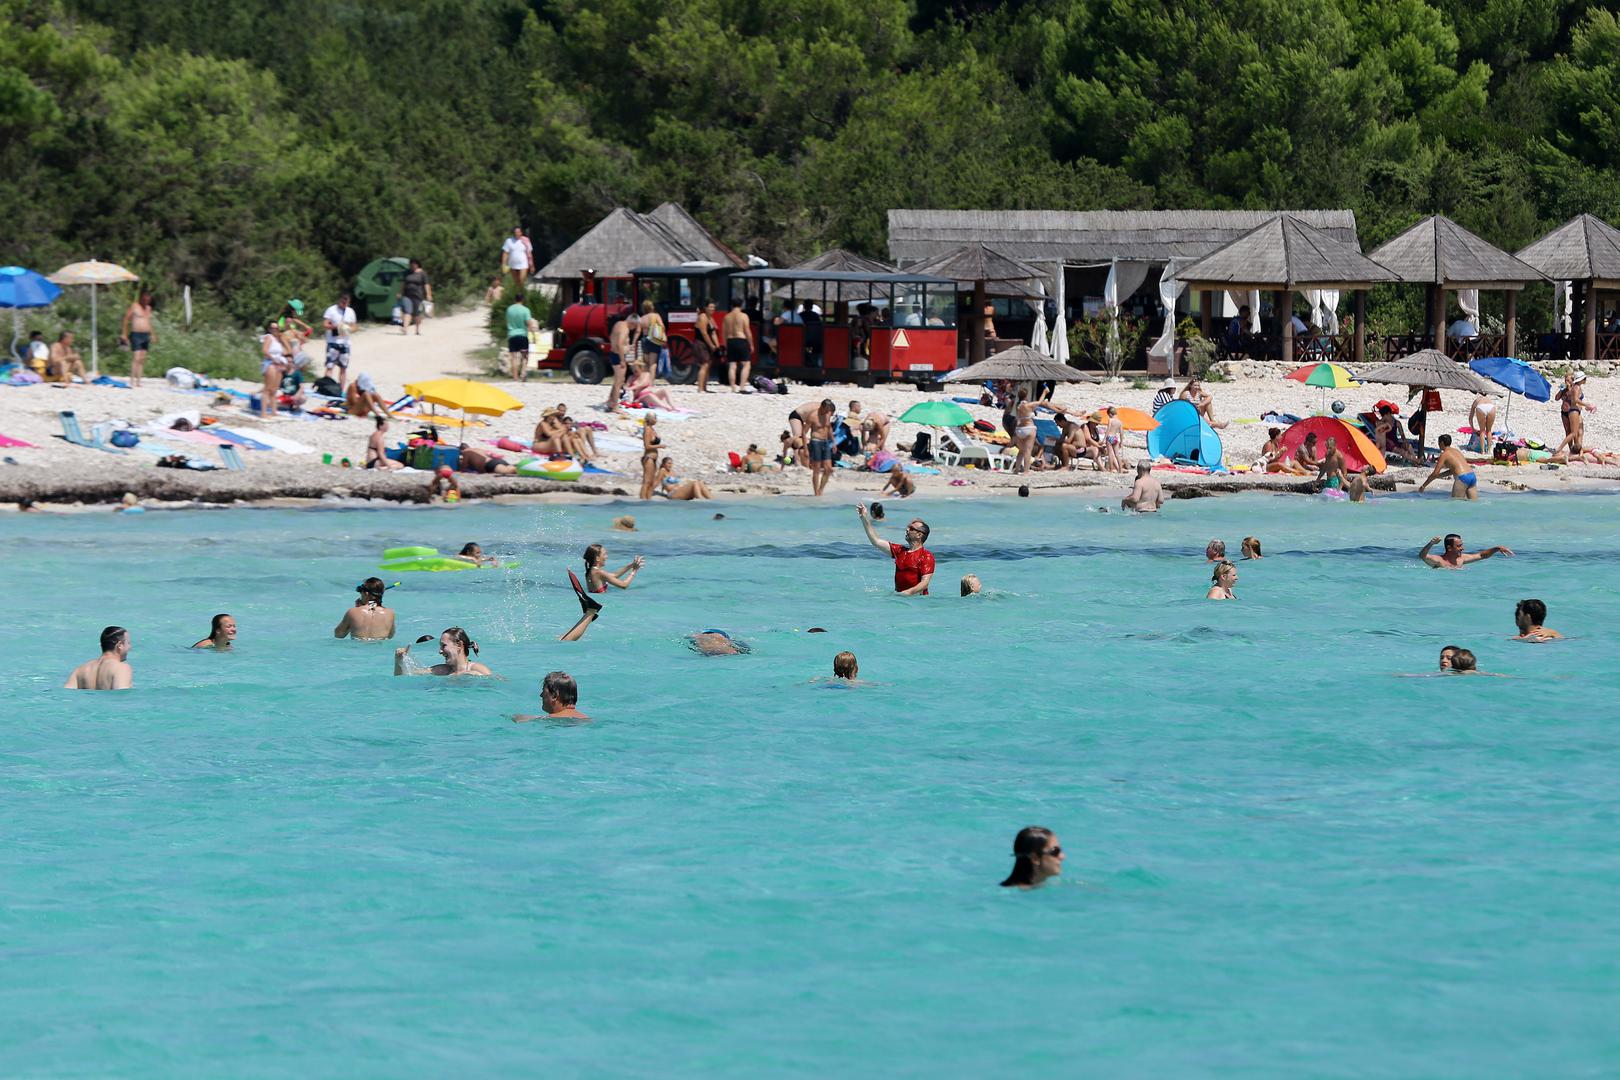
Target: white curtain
(1124,278)
(1324,305)
(1169,290)
(1561,307)
(1060,329)
(1037,335)
(1468,300)
(1229,307)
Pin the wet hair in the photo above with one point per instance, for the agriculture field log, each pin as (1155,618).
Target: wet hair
(844,665)
(1444,441)
(1444,649)
(1464,660)
(967,589)
(1030,844)
(1023,491)
(561,686)
(1220,568)
(592,553)
(877,511)
(371,589)
(213,627)
(112,637)
(1252,543)
(467,548)
(468,646)
(816,630)
(1534,610)
(1215,547)
(1453,536)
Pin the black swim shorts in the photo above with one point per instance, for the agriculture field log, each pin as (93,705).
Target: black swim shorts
(822,450)
(737,350)
(139,341)
(518,343)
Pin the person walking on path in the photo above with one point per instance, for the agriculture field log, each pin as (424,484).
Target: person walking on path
(416,293)
(913,563)
(340,322)
(517,338)
(138,335)
(517,255)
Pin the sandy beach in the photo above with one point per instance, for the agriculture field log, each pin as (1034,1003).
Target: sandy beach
(699,439)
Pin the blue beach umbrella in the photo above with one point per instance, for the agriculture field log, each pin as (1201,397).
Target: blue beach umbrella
(1517,376)
(21,288)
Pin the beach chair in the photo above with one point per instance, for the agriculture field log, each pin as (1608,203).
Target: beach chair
(75,435)
(957,447)
(231,457)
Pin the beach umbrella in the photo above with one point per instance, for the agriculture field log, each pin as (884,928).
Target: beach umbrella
(1020,364)
(93,273)
(1327,376)
(937,414)
(466,396)
(1517,376)
(1428,369)
(1131,419)
(1358,450)
(21,288)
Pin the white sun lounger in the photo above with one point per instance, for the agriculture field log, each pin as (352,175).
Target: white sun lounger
(956,447)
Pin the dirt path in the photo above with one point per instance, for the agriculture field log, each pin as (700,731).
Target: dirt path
(446,346)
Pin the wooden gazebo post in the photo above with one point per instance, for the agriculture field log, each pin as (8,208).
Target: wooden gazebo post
(976,340)
(1204,314)
(1589,312)
(1285,318)
(1510,299)
(1360,352)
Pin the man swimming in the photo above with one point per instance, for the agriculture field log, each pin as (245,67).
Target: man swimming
(110,670)
(558,696)
(1464,483)
(1146,495)
(1529,616)
(846,667)
(1452,555)
(716,643)
(221,633)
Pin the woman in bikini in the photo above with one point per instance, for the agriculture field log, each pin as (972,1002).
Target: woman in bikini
(1482,418)
(641,393)
(457,649)
(671,487)
(377,449)
(272,366)
(1023,433)
(597,577)
(649,456)
(367,620)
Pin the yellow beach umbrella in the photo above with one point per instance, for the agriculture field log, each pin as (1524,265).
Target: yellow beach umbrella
(465,395)
(93,272)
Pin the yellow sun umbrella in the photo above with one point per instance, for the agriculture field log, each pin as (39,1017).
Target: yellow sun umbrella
(92,273)
(464,395)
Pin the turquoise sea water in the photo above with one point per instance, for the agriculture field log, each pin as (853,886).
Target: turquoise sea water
(1283,859)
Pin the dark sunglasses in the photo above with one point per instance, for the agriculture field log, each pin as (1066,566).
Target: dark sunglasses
(1054,851)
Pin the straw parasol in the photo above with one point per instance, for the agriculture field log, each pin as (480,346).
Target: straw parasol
(1429,369)
(93,272)
(986,270)
(1020,364)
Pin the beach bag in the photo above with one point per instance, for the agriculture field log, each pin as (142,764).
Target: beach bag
(326,386)
(769,386)
(125,439)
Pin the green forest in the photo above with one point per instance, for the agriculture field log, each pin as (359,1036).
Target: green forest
(258,150)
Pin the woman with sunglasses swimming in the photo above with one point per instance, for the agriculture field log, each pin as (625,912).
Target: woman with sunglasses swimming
(1037,855)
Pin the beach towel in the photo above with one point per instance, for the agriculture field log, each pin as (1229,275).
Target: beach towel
(239,440)
(199,438)
(108,380)
(275,442)
(662,415)
(8,441)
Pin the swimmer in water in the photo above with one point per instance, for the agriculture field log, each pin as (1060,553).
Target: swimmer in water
(368,620)
(1215,551)
(597,576)
(1224,577)
(846,667)
(220,634)
(1529,616)
(110,670)
(589,608)
(558,696)
(1445,657)
(1037,856)
(971,585)
(716,643)
(1464,482)
(475,555)
(457,649)
(1251,547)
(1147,495)
(1452,555)
(1463,662)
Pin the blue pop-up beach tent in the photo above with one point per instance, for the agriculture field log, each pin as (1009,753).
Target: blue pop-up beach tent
(1184,437)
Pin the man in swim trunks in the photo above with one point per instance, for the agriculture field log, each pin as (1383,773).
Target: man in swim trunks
(823,451)
(1305,459)
(110,670)
(137,334)
(478,461)
(1453,557)
(1331,471)
(716,643)
(913,564)
(623,344)
(558,696)
(1529,616)
(1146,495)
(1464,484)
(739,347)
(798,423)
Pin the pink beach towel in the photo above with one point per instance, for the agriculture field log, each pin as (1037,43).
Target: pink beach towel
(8,442)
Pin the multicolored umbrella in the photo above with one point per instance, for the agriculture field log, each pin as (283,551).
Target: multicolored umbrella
(93,272)
(1327,376)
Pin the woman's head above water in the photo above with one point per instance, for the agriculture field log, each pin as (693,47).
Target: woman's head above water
(454,644)
(1037,855)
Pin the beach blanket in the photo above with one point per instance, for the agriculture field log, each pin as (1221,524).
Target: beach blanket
(199,438)
(8,441)
(618,444)
(274,442)
(662,415)
(108,380)
(239,440)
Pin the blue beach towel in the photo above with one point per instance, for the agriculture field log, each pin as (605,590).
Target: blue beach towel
(240,440)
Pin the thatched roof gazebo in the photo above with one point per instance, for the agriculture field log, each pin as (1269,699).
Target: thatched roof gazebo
(623,240)
(1444,256)
(1020,364)
(1584,250)
(989,273)
(1285,254)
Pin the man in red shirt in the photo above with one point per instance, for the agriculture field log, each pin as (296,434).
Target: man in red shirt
(913,564)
